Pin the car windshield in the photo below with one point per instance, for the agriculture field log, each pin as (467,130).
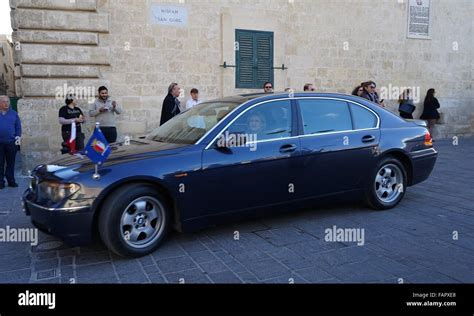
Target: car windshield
(191,125)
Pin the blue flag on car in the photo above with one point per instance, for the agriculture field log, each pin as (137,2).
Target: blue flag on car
(97,148)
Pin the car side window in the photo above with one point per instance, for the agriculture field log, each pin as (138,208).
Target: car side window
(323,116)
(267,121)
(362,118)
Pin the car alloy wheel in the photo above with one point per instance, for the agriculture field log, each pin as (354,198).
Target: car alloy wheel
(388,183)
(134,220)
(142,222)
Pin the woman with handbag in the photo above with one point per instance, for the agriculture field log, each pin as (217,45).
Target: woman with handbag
(430,109)
(406,107)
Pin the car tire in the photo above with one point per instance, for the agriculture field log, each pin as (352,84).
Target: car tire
(134,220)
(387,184)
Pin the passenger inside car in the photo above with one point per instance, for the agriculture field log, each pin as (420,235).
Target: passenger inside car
(256,125)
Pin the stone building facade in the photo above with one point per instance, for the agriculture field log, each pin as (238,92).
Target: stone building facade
(7,78)
(334,44)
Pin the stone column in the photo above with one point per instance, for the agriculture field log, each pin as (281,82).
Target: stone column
(57,51)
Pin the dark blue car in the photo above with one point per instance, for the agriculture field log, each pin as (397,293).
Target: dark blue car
(228,159)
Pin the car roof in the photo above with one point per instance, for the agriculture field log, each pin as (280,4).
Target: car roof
(241,98)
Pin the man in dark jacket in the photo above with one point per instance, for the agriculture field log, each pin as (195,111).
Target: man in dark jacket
(170,103)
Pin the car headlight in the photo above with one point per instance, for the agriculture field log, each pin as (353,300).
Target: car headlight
(56,191)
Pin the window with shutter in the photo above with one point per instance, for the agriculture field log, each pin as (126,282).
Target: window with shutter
(254,58)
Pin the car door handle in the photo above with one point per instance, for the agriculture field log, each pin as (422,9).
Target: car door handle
(368,138)
(288,148)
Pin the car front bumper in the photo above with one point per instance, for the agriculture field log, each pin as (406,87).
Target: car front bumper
(72,224)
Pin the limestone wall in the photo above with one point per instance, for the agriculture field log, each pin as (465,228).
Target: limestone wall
(334,43)
(7,79)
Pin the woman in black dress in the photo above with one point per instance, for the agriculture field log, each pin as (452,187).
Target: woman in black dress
(430,109)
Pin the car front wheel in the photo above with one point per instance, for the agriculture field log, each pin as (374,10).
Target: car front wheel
(134,220)
(388,184)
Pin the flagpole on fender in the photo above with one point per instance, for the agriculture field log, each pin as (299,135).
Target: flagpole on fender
(96,175)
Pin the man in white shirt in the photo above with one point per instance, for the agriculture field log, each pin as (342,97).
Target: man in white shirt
(194,99)
(104,110)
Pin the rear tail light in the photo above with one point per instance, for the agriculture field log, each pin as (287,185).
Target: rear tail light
(428,139)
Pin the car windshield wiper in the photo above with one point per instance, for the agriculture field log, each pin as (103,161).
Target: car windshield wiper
(174,141)
(160,140)
(131,141)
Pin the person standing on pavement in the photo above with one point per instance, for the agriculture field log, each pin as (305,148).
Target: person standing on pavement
(194,99)
(104,111)
(430,110)
(171,103)
(358,91)
(10,137)
(268,87)
(406,106)
(370,93)
(309,87)
(69,114)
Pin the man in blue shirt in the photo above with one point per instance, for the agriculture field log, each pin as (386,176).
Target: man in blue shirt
(10,136)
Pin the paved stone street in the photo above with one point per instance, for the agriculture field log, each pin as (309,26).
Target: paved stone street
(428,238)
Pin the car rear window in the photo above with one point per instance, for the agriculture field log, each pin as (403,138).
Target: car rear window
(324,116)
(362,117)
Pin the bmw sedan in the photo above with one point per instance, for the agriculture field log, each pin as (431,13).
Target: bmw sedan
(229,159)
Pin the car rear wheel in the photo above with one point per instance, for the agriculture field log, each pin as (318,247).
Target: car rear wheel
(134,220)
(387,185)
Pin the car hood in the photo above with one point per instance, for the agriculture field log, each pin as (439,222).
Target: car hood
(121,153)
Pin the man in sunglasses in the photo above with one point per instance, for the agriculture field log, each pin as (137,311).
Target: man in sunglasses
(268,87)
(370,93)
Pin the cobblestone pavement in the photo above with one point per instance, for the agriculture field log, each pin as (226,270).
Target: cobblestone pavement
(428,238)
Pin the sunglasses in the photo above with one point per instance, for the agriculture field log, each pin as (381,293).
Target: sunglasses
(268,87)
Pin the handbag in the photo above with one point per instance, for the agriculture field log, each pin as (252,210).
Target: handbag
(407,107)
